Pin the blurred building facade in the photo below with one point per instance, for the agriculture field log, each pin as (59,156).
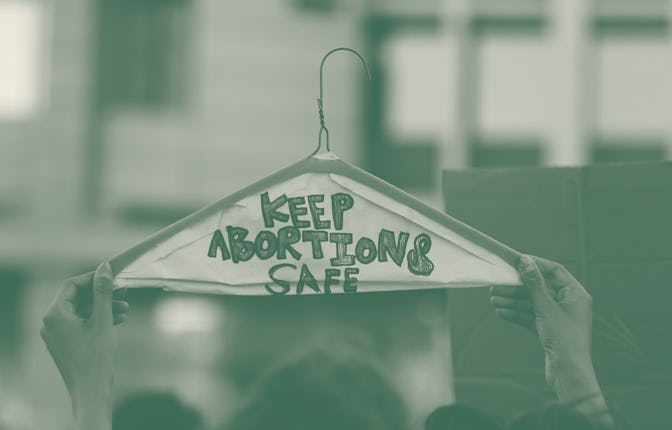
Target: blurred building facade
(118,117)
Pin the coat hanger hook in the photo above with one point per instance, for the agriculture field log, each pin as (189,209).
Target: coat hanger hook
(320,100)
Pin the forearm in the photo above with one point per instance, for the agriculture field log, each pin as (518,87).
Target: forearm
(93,410)
(575,383)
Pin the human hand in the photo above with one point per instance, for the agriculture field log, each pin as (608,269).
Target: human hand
(554,305)
(79,334)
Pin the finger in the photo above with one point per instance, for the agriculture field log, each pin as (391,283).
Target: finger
(71,287)
(548,267)
(61,308)
(511,303)
(120,306)
(119,318)
(82,294)
(509,291)
(83,311)
(535,282)
(564,286)
(102,294)
(121,293)
(554,271)
(64,305)
(82,302)
(83,280)
(522,318)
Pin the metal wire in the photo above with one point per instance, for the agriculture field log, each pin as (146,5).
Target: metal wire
(320,100)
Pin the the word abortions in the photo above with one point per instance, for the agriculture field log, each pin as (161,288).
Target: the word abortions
(303,228)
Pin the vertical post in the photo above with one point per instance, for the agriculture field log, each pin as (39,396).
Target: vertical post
(459,29)
(572,97)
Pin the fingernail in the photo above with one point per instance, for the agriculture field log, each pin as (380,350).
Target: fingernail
(105,270)
(525,264)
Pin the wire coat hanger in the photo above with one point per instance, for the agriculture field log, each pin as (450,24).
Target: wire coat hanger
(146,264)
(320,100)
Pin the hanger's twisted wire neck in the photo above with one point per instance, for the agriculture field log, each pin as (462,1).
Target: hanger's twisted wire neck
(320,100)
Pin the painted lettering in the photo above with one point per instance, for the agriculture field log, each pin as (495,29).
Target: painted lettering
(296,209)
(315,238)
(287,236)
(418,263)
(284,285)
(330,278)
(365,251)
(306,279)
(342,240)
(316,212)
(350,282)
(269,210)
(241,249)
(340,202)
(218,242)
(387,246)
(264,252)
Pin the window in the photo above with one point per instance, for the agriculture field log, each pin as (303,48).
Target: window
(514,91)
(21,26)
(632,69)
(142,53)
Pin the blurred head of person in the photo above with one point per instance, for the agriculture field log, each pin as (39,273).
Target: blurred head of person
(323,390)
(555,416)
(155,410)
(459,417)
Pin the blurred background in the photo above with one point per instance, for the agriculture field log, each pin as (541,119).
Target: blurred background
(118,117)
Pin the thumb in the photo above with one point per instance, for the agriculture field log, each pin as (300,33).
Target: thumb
(102,294)
(535,283)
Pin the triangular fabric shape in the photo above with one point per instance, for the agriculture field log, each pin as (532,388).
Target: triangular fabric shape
(319,226)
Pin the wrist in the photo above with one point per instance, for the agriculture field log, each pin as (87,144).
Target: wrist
(575,384)
(92,390)
(571,376)
(93,412)
(92,406)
